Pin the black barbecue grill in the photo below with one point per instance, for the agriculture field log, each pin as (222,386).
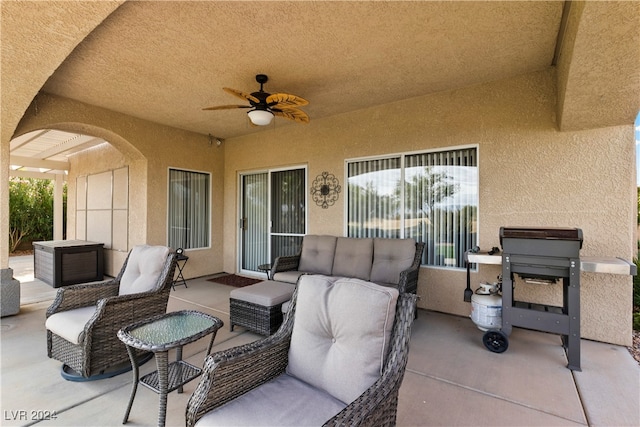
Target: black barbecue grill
(547,255)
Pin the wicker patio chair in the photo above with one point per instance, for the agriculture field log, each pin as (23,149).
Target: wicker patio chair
(229,374)
(83,321)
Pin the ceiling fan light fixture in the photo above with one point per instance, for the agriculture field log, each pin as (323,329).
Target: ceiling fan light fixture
(260,117)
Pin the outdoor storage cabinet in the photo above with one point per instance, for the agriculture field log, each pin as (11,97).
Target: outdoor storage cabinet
(67,262)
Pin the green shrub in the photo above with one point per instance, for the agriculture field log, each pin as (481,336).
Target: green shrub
(31,210)
(636,321)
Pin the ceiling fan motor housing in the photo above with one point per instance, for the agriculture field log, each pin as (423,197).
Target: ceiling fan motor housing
(262,79)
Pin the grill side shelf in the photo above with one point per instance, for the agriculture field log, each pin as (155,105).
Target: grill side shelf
(588,264)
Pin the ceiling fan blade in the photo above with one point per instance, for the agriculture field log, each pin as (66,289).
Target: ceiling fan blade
(284,100)
(291,114)
(241,95)
(227,107)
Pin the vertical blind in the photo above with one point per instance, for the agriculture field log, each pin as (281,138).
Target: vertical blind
(373,198)
(279,197)
(288,211)
(189,205)
(255,220)
(432,197)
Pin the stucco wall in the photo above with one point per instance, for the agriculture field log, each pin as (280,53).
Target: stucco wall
(33,46)
(94,161)
(530,174)
(148,149)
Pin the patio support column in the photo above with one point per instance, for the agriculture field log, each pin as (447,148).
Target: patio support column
(57,207)
(9,287)
(9,293)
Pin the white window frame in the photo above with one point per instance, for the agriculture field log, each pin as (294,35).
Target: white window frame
(209,207)
(402,165)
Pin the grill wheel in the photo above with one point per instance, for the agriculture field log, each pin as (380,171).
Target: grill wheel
(496,341)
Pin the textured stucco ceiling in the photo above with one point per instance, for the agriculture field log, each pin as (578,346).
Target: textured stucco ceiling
(165,61)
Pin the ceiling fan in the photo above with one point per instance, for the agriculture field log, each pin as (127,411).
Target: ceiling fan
(264,106)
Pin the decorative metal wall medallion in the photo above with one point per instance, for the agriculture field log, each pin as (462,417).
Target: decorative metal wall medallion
(325,189)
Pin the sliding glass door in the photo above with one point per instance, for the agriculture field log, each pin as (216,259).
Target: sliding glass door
(254,222)
(273,216)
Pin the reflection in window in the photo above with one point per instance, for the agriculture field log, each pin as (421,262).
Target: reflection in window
(189,207)
(431,197)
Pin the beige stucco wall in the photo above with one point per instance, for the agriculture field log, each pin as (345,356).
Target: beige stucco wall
(530,175)
(598,64)
(149,150)
(34,43)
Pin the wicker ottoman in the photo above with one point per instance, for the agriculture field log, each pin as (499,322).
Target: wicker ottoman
(259,307)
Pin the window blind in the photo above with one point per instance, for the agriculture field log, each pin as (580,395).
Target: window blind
(189,209)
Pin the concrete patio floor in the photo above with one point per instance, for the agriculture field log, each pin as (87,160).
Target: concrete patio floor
(451,379)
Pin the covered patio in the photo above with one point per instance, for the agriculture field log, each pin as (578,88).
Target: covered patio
(451,379)
(537,99)
(540,95)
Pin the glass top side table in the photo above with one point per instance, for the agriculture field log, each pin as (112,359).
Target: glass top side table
(160,334)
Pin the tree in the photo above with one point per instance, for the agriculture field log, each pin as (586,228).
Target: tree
(19,212)
(429,188)
(30,210)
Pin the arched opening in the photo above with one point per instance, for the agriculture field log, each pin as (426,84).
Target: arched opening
(97,167)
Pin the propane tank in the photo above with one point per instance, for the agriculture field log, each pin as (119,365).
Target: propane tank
(486,307)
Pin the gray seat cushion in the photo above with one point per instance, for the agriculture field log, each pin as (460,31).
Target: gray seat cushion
(390,258)
(267,293)
(317,254)
(70,324)
(284,401)
(341,334)
(353,258)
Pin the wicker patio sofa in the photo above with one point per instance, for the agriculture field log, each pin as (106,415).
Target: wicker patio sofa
(387,262)
(337,360)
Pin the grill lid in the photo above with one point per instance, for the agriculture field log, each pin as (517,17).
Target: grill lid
(545,233)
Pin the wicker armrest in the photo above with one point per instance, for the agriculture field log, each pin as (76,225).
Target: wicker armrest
(285,263)
(84,295)
(134,302)
(408,282)
(230,373)
(114,312)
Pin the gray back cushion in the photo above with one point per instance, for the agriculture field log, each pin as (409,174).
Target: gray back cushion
(390,257)
(341,334)
(143,270)
(317,254)
(353,258)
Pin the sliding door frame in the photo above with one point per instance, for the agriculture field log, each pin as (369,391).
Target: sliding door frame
(240,211)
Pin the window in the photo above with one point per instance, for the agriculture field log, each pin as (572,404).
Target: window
(189,209)
(431,197)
